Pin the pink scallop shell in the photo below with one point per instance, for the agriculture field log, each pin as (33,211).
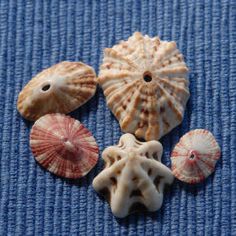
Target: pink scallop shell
(63,146)
(194,157)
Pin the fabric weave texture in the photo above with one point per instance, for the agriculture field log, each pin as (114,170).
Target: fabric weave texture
(37,34)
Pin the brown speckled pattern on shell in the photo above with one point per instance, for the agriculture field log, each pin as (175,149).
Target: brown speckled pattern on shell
(61,88)
(145,83)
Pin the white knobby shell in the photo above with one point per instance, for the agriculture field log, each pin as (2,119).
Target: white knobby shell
(133,177)
(145,83)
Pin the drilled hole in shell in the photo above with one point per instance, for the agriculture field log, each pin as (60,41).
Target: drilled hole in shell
(192,156)
(46,87)
(147,76)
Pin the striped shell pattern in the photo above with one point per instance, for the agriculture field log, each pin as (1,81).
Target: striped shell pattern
(146,86)
(195,156)
(61,88)
(63,146)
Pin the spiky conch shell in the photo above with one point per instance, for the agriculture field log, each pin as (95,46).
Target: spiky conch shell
(63,146)
(148,109)
(195,156)
(61,88)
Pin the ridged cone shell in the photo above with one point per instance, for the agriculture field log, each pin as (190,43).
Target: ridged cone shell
(145,83)
(61,88)
(63,146)
(195,156)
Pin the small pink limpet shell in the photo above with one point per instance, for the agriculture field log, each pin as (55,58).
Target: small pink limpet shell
(194,157)
(63,146)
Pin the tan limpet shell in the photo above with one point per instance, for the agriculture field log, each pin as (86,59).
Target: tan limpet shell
(61,88)
(145,81)
(133,177)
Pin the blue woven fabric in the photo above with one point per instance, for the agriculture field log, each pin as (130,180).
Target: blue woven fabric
(37,34)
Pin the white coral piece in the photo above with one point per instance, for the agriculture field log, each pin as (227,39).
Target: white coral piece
(133,176)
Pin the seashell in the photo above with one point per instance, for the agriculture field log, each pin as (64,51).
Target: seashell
(194,157)
(61,88)
(134,177)
(145,83)
(63,146)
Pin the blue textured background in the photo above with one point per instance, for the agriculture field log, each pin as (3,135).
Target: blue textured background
(37,34)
